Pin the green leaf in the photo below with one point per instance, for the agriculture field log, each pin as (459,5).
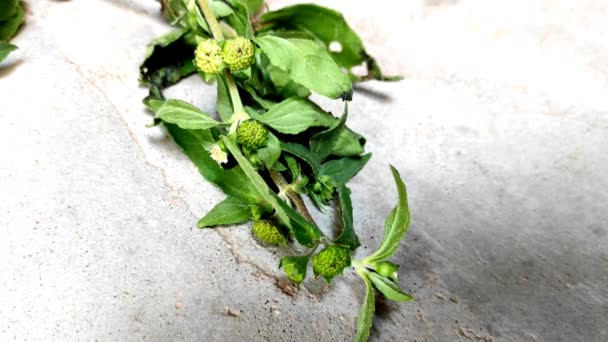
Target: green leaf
(294,168)
(322,143)
(270,153)
(233,182)
(8,8)
(254,6)
(295,115)
(308,63)
(10,26)
(206,137)
(184,115)
(366,313)
(388,288)
(164,41)
(295,267)
(283,83)
(229,211)
(194,16)
(168,59)
(348,143)
(396,224)
(173,10)
(220,9)
(6,49)
(342,170)
(304,154)
(304,232)
(266,104)
(224,104)
(348,236)
(239,20)
(328,26)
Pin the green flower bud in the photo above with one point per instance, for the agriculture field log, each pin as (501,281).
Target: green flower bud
(331,261)
(208,56)
(386,269)
(324,188)
(266,232)
(251,135)
(238,53)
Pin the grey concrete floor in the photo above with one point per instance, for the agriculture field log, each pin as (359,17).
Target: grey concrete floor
(500,130)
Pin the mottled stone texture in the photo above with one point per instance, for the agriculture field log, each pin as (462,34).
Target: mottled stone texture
(500,130)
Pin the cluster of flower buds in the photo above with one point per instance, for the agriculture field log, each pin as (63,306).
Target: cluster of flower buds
(236,53)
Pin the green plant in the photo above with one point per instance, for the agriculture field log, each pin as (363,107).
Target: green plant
(272,144)
(11,18)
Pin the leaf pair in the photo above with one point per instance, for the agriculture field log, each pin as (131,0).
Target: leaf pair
(396,226)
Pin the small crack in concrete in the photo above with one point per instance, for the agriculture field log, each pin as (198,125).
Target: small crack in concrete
(229,244)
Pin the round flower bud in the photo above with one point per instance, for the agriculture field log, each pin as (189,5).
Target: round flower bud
(208,56)
(331,261)
(238,53)
(266,232)
(387,269)
(251,135)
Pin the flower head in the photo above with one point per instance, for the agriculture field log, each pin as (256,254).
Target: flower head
(331,261)
(267,232)
(208,56)
(218,154)
(238,53)
(251,135)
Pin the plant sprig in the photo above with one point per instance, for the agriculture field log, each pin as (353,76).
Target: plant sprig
(11,18)
(272,145)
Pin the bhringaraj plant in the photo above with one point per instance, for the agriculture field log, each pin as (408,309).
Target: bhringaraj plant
(272,144)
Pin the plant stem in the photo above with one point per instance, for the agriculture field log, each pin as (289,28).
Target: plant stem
(216,31)
(238,112)
(295,198)
(237,105)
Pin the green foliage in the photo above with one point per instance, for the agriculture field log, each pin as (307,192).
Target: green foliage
(295,115)
(168,59)
(348,236)
(8,8)
(272,145)
(233,182)
(388,288)
(295,267)
(229,211)
(6,49)
(375,270)
(386,269)
(307,63)
(342,170)
(11,19)
(11,22)
(396,224)
(366,313)
(182,114)
(328,26)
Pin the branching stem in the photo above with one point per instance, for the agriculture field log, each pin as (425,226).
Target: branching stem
(294,197)
(216,31)
(239,112)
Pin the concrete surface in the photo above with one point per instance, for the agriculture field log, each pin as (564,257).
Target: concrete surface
(500,130)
